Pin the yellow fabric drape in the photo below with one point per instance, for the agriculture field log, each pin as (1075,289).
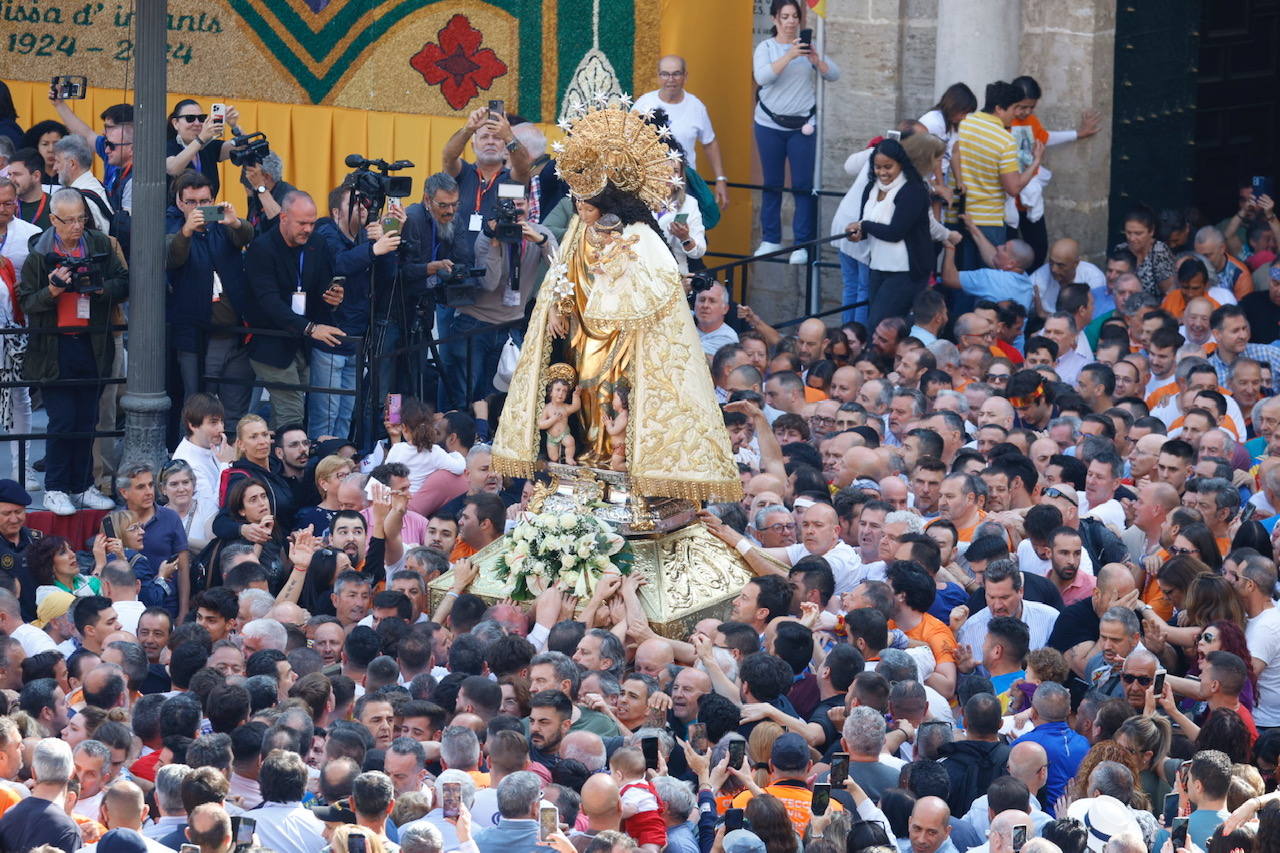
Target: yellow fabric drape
(312,140)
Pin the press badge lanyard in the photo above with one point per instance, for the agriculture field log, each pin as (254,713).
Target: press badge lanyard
(477,220)
(299,300)
(81,250)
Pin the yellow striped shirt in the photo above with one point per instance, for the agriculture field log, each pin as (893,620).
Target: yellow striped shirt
(987,151)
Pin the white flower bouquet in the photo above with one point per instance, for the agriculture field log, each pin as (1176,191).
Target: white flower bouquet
(568,548)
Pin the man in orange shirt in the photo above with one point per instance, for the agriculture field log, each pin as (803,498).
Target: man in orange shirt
(482,521)
(958,503)
(914,592)
(789,764)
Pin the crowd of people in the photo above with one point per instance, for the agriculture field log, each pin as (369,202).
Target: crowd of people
(1011,525)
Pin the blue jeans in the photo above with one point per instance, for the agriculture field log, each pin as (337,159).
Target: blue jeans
(453,363)
(967,255)
(476,356)
(330,414)
(777,149)
(854,273)
(71,409)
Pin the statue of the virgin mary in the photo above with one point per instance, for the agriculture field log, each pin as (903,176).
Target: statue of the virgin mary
(613,308)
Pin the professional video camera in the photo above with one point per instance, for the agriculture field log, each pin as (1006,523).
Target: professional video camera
(373,189)
(86,272)
(458,286)
(250,149)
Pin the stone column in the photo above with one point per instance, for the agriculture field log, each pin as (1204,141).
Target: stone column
(145,402)
(977,43)
(1069,47)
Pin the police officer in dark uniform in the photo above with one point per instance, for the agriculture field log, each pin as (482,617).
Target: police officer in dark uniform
(15,536)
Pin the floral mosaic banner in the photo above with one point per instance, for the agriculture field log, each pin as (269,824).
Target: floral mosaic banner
(409,56)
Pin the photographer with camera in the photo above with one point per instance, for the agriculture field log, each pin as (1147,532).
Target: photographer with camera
(513,253)
(499,158)
(359,250)
(426,253)
(71,280)
(290,272)
(204,266)
(263,184)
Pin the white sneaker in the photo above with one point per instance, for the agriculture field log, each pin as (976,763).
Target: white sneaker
(766,247)
(59,503)
(91,498)
(799,257)
(33,483)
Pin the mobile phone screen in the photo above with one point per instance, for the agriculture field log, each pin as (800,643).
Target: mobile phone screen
(1179,834)
(244,830)
(452,800)
(355,843)
(1019,837)
(737,751)
(821,798)
(839,769)
(1170,810)
(698,736)
(650,747)
(1158,686)
(548,822)
(732,820)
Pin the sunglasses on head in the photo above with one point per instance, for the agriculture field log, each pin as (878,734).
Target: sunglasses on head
(1144,680)
(1055,493)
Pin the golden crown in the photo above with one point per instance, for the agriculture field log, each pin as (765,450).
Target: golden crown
(610,143)
(560,372)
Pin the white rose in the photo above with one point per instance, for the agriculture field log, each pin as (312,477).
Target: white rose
(568,521)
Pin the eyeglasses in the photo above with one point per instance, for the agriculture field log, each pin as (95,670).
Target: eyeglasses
(1206,637)
(8,203)
(112,146)
(192,118)
(779,527)
(135,528)
(997,377)
(1174,549)
(1144,680)
(666,75)
(446,205)
(70,220)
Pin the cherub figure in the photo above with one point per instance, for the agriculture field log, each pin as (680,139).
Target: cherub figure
(615,424)
(563,399)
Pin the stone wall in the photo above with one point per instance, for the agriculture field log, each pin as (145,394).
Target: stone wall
(894,57)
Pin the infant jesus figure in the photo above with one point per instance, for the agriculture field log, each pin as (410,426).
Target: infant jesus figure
(562,400)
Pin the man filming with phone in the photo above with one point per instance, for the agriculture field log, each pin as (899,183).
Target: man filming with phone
(208,291)
(500,158)
(513,252)
(361,252)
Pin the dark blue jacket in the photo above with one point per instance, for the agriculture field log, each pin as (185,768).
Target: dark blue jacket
(354,260)
(191,283)
(273,272)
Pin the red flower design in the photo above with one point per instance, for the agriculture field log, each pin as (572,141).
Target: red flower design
(458,65)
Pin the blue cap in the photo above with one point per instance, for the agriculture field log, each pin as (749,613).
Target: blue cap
(790,752)
(12,493)
(122,840)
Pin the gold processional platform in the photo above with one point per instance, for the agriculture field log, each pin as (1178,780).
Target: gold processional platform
(691,574)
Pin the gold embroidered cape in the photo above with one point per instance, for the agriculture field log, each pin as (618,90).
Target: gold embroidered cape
(629,321)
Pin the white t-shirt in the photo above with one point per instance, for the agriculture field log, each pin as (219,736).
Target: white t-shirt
(424,463)
(716,338)
(1262,634)
(129,613)
(33,640)
(14,246)
(689,121)
(1029,561)
(845,564)
(208,469)
(1086,273)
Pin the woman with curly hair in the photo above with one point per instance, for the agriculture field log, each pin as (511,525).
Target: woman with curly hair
(52,562)
(1220,635)
(1106,750)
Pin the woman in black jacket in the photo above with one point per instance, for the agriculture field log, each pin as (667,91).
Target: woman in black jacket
(895,218)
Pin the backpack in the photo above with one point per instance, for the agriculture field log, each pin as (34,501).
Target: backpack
(972,774)
(119,222)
